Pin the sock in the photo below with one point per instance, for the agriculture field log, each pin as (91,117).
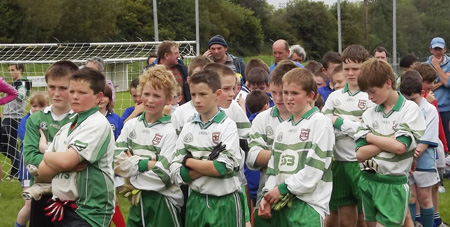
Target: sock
(118,218)
(412,209)
(437,219)
(427,217)
(418,218)
(19,225)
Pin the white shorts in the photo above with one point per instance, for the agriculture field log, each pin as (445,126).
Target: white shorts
(423,179)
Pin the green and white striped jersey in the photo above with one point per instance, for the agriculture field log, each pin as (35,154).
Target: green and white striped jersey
(301,159)
(348,108)
(405,121)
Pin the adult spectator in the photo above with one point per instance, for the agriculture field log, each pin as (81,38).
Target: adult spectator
(169,56)
(98,64)
(297,54)
(381,53)
(330,60)
(441,63)
(12,114)
(218,52)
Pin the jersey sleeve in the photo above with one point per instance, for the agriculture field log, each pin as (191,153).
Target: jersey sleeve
(31,152)
(431,135)
(362,131)
(412,126)
(242,122)
(177,120)
(257,141)
(175,165)
(122,140)
(231,157)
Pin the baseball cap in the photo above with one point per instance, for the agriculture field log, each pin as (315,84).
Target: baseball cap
(437,42)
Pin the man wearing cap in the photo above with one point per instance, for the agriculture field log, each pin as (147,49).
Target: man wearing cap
(441,63)
(217,51)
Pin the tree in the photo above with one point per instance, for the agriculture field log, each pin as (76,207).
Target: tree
(135,20)
(352,22)
(10,20)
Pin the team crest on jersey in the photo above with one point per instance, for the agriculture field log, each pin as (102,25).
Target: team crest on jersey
(157,139)
(188,138)
(80,145)
(375,125)
(269,131)
(394,125)
(280,137)
(215,137)
(362,104)
(132,134)
(337,102)
(43,125)
(304,134)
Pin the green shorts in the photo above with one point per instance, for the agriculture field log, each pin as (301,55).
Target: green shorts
(385,198)
(300,214)
(345,185)
(209,210)
(262,222)
(153,209)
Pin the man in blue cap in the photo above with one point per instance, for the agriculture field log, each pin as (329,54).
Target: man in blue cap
(217,51)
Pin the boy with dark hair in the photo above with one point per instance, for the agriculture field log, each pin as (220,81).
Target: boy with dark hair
(86,138)
(262,133)
(408,60)
(317,70)
(138,108)
(300,162)
(257,101)
(208,157)
(330,60)
(425,174)
(256,79)
(49,121)
(345,108)
(385,143)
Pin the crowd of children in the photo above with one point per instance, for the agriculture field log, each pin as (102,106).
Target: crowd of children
(337,143)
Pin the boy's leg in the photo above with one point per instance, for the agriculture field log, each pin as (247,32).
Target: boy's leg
(300,214)
(425,182)
(37,215)
(9,143)
(71,219)
(207,210)
(153,209)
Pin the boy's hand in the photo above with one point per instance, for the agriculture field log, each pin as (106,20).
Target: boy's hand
(139,108)
(43,143)
(186,157)
(413,166)
(265,209)
(216,151)
(273,196)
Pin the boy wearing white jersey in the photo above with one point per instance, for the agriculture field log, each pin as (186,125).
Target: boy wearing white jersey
(345,108)
(385,143)
(301,157)
(208,157)
(87,138)
(262,133)
(425,174)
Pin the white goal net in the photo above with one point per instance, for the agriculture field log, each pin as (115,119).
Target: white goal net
(123,63)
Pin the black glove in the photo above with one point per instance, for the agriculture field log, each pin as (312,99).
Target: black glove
(216,151)
(186,157)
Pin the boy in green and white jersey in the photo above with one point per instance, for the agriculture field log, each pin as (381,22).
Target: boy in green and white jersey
(301,157)
(385,143)
(84,198)
(150,141)
(262,132)
(345,108)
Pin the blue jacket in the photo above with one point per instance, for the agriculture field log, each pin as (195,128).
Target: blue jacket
(443,92)
(116,123)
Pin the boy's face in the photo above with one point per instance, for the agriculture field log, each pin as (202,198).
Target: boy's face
(154,100)
(351,70)
(176,99)
(204,100)
(261,87)
(35,107)
(319,81)
(427,86)
(339,80)
(136,97)
(277,97)
(379,95)
(414,97)
(14,72)
(297,101)
(58,91)
(103,102)
(82,97)
(329,70)
(227,94)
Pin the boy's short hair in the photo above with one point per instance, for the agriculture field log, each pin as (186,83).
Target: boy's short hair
(256,62)
(256,100)
(19,66)
(302,77)
(40,98)
(316,69)
(380,49)
(284,66)
(411,83)
(257,76)
(108,93)
(98,61)
(94,78)
(408,60)
(209,77)
(134,83)
(165,48)
(331,57)
(355,53)
(338,69)
(375,73)
(160,78)
(199,61)
(220,69)
(427,71)
(61,69)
